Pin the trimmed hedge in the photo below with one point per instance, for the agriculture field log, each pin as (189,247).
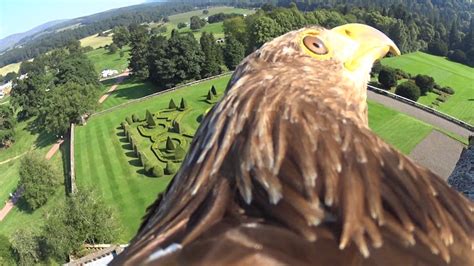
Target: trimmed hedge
(157,171)
(129,120)
(147,166)
(447,90)
(170,168)
(135,118)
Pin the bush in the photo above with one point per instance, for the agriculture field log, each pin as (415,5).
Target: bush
(38,178)
(181,25)
(149,119)
(441,99)
(425,83)
(408,89)
(123,124)
(209,95)
(402,74)
(438,48)
(157,171)
(447,90)
(129,120)
(387,77)
(170,168)
(213,90)
(147,166)
(179,153)
(6,251)
(171,105)
(169,144)
(176,127)
(135,118)
(183,104)
(376,67)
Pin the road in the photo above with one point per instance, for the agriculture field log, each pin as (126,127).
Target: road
(422,115)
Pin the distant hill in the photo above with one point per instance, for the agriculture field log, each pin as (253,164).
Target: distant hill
(11,40)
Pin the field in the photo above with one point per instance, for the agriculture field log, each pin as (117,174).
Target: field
(445,73)
(104,157)
(10,68)
(96,41)
(102,59)
(126,91)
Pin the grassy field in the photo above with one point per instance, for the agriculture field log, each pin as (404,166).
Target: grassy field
(96,41)
(9,68)
(102,59)
(104,158)
(126,91)
(445,73)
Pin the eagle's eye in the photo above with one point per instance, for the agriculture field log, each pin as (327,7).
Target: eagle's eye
(315,45)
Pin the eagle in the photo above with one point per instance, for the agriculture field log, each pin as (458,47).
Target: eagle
(285,170)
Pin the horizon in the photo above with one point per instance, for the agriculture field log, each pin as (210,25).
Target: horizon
(18,16)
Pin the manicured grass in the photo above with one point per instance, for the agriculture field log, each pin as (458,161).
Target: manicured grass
(128,90)
(446,73)
(105,160)
(102,59)
(398,129)
(8,179)
(9,68)
(96,41)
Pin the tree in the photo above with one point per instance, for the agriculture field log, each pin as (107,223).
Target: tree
(139,53)
(176,60)
(38,178)
(454,36)
(65,104)
(237,28)
(6,251)
(170,168)
(212,55)
(149,119)
(84,218)
(376,67)
(262,30)
(121,36)
(196,23)
(169,144)
(25,67)
(205,11)
(438,48)
(425,83)
(387,77)
(113,48)
(234,52)
(213,90)
(182,25)
(25,245)
(7,126)
(399,34)
(408,89)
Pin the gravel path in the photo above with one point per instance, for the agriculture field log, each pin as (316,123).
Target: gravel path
(119,80)
(419,114)
(438,152)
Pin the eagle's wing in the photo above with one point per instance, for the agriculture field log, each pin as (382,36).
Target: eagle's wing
(285,158)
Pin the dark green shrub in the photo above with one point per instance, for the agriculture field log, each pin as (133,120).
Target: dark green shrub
(183,104)
(176,127)
(447,90)
(170,168)
(408,89)
(209,95)
(376,67)
(441,99)
(157,171)
(172,105)
(179,153)
(438,48)
(402,73)
(387,77)
(213,90)
(425,83)
(149,119)
(135,118)
(123,124)
(142,158)
(129,120)
(169,144)
(457,56)
(147,166)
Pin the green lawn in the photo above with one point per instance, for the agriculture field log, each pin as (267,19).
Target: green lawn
(128,90)
(104,158)
(102,59)
(446,73)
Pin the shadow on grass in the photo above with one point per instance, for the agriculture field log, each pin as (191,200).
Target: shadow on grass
(64,150)
(43,138)
(23,206)
(136,89)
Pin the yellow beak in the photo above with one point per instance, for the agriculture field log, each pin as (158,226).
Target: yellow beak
(372,44)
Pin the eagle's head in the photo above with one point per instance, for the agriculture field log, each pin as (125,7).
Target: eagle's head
(333,62)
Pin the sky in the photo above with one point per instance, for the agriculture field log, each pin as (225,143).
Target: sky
(22,15)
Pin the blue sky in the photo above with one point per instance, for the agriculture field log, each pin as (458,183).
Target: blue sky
(22,15)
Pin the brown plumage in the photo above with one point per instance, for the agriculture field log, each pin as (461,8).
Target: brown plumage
(284,170)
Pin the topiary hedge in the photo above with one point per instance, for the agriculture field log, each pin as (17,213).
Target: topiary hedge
(170,168)
(135,118)
(129,120)
(157,171)
(447,90)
